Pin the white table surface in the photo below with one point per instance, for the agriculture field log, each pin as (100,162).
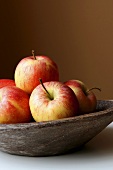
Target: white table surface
(96,155)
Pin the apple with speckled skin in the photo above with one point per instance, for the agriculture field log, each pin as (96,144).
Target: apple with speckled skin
(14,105)
(86,98)
(6,82)
(51,101)
(30,69)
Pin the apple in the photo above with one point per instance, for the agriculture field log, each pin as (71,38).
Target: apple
(14,105)
(53,100)
(86,98)
(6,82)
(30,69)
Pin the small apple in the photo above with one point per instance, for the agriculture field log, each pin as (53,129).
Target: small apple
(6,82)
(14,105)
(51,101)
(86,98)
(30,69)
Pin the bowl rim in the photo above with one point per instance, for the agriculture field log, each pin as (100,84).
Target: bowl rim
(58,121)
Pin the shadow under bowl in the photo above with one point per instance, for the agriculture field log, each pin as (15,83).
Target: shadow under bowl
(55,137)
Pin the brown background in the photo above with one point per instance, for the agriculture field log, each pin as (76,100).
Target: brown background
(76,34)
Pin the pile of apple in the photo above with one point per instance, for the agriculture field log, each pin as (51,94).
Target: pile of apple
(36,94)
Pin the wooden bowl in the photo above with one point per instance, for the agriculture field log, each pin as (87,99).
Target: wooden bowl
(55,137)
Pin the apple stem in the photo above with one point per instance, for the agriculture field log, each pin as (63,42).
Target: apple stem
(33,53)
(44,88)
(93,89)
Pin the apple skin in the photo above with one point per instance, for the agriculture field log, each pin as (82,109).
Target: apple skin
(29,70)
(6,82)
(63,104)
(87,100)
(14,105)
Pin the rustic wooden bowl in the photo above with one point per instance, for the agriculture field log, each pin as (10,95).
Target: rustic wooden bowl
(55,137)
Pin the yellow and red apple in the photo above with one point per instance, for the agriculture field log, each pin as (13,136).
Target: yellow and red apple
(54,100)
(86,98)
(6,82)
(30,69)
(14,105)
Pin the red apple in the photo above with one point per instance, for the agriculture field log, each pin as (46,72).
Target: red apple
(86,98)
(53,101)
(30,69)
(14,105)
(6,82)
